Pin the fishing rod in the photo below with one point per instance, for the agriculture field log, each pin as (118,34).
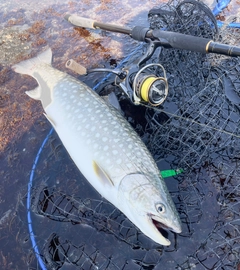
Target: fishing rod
(166,39)
(141,82)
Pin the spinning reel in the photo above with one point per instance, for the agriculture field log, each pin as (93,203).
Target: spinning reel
(145,84)
(141,83)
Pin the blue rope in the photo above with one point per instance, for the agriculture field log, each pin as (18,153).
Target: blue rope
(232,25)
(220,6)
(32,236)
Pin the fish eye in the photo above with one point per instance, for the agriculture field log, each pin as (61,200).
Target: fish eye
(160,208)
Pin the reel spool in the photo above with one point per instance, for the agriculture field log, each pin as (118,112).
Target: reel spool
(150,88)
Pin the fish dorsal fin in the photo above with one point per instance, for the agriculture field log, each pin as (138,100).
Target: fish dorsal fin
(102,175)
(50,120)
(35,93)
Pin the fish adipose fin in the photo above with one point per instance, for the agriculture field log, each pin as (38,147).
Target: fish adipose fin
(28,66)
(102,175)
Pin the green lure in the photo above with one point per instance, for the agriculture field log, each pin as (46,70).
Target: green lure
(169,173)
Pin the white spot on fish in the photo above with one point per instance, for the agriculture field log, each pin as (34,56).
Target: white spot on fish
(129,165)
(77,110)
(80,116)
(64,94)
(115,152)
(97,135)
(104,139)
(119,161)
(105,148)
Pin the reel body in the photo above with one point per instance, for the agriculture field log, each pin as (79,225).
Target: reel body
(149,88)
(141,83)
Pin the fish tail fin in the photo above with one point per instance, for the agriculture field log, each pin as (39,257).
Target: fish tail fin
(28,66)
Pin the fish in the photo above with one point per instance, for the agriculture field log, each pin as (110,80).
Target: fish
(104,147)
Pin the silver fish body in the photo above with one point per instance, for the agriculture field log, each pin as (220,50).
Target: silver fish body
(104,147)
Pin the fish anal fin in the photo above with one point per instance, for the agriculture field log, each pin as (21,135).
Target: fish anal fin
(35,93)
(102,175)
(50,120)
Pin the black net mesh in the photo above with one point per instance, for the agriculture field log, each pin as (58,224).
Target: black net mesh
(197,130)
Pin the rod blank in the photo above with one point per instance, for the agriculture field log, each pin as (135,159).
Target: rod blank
(166,39)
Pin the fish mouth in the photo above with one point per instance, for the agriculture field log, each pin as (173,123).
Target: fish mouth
(161,226)
(162,229)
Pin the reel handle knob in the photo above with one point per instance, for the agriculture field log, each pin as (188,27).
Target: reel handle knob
(74,66)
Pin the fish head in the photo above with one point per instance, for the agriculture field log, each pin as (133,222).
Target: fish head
(148,204)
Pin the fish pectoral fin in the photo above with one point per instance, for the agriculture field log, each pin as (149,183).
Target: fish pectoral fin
(50,120)
(112,100)
(35,93)
(102,175)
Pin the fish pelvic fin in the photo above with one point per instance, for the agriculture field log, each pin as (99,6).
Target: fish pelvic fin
(35,93)
(28,66)
(102,175)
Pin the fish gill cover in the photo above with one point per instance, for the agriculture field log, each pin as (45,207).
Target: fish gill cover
(197,129)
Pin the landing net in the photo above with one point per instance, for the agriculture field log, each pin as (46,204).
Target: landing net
(197,129)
